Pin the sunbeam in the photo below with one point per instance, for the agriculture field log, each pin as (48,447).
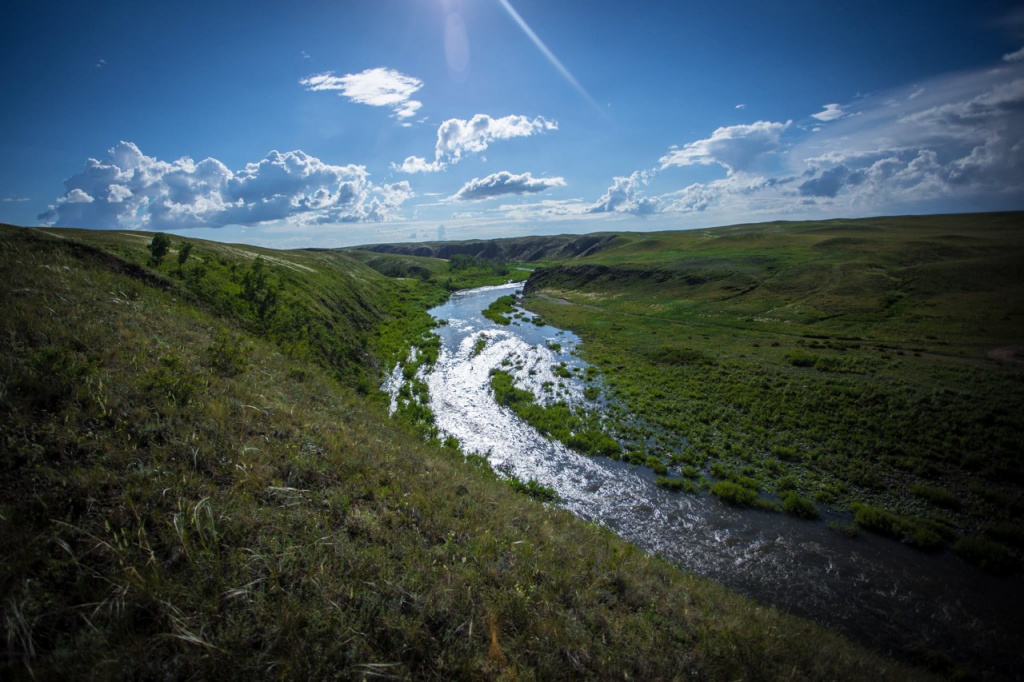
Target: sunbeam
(548,53)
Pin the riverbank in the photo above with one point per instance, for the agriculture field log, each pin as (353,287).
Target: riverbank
(887,594)
(188,491)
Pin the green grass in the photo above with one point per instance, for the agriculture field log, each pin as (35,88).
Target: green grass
(846,360)
(575,428)
(190,492)
(501,309)
(453,274)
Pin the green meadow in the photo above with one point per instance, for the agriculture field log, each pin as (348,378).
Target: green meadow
(200,480)
(871,366)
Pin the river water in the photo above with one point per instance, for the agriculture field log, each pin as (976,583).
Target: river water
(876,590)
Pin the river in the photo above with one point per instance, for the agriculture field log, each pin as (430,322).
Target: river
(890,596)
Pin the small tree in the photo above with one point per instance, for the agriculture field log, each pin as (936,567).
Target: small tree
(158,247)
(259,290)
(183,252)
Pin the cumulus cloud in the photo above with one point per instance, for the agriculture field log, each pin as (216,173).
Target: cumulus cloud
(417,164)
(499,184)
(624,196)
(830,113)
(378,87)
(130,189)
(736,188)
(961,136)
(1014,56)
(735,148)
(457,138)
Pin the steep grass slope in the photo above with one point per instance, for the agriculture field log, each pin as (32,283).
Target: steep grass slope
(191,489)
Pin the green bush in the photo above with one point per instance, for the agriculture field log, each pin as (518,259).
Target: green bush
(1006,533)
(914,530)
(985,554)
(534,489)
(158,247)
(228,356)
(801,507)
(184,251)
(847,529)
(479,345)
(500,309)
(593,442)
(171,380)
(734,494)
(682,484)
(940,497)
(787,483)
(657,465)
(875,520)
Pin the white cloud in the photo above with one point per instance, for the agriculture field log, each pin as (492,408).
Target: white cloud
(130,189)
(9,200)
(741,106)
(831,112)
(959,139)
(417,164)
(1014,56)
(735,148)
(457,138)
(378,87)
(503,183)
(624,196)
(77,196)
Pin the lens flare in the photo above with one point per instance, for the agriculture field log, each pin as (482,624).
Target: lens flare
(547,53)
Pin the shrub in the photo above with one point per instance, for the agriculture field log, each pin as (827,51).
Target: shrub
(593,442)
(787,483)
(1007,533)
(875,520)
(184,251)
(690,472)
(985,554)
(940,497)
(657,465)
(847,529)
(676,484)
(171,380)
(801,507)
(799,358)
(914,530)
(227,356)
(498,310)
(786,452)
(158,247)
(54,373)
(534,489)
(734,494)
(479,345)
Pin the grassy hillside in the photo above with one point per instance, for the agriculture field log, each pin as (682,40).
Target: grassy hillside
(519,249)
(460,271)
(874,365)
(193,487)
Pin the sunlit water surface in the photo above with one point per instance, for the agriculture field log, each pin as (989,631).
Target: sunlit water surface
(873,589)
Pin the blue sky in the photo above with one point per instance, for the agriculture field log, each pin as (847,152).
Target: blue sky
(357,121)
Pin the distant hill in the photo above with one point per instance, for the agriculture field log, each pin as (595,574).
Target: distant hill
(517,249)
